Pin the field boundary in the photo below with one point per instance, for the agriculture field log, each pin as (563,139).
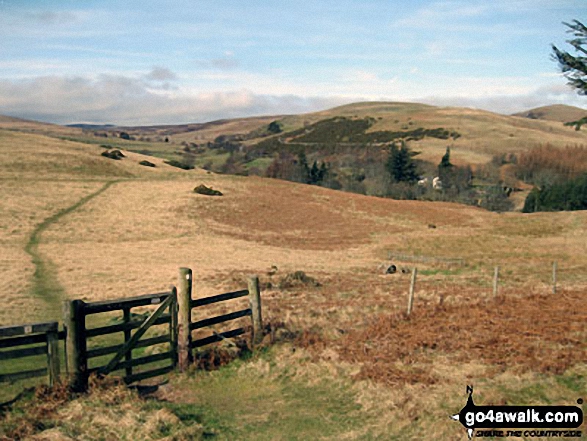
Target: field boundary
(173,309)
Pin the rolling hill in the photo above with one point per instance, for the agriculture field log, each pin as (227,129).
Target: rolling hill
(482,133)
(75,224)
(558,112)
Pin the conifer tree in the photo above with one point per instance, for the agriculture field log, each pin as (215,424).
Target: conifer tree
(575,67)
(400,164)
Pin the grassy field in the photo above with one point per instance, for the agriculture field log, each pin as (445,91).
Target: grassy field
(78,225)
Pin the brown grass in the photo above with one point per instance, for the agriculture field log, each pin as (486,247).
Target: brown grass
(511,333)
(131,239)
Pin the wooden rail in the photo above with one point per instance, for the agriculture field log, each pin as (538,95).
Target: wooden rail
(174,309)
(45,337)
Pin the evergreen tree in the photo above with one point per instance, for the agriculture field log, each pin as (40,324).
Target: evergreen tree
(274,127)
(569,195)
(314,174)
(445,169)
(400,164)
(575,67)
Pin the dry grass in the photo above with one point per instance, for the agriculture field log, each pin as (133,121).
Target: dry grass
(131,239)
(557,112)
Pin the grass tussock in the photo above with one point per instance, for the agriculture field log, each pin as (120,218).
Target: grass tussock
(109,411)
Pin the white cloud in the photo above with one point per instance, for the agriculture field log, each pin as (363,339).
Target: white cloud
(131,101)
(512,103)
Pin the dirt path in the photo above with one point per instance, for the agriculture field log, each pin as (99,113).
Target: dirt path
(45,284)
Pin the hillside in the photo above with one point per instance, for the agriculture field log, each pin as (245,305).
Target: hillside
(557,112)
(24,125)
(351,142)
(482,133)
(77,225)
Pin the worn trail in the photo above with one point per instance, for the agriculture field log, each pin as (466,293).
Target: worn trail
(45,284)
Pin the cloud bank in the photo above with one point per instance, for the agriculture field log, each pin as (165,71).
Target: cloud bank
(158,97)
(140,101)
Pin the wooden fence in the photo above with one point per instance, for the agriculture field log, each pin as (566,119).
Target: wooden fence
(30,340)
(83,356)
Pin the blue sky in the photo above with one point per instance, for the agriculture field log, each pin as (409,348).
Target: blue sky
(155,62)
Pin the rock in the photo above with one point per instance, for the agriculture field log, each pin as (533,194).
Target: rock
(391,269)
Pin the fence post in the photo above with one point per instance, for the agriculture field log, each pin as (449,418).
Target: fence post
(255,305)
(184,313)
(74,321)
(495,281)
(173,327)
(554,268)
(53,356)
(412,288)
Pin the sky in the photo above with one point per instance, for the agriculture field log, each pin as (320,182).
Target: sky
(138,62)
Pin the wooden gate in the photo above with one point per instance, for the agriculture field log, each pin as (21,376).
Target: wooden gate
(85,323)
(79,356)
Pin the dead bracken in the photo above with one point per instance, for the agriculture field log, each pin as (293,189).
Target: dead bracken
(297,278)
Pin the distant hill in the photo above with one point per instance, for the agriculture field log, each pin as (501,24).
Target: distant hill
(26,125)
(557,112)
(481,134)
(92,126)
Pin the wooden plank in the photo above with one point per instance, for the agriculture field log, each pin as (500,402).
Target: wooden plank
(122,327)
(99,352)
(32,328)
(130,302)
(144,360)
(23,352)
(220,319)
(148,374)
(218,337)
(23,375)
(138,334)
(219,298)
(127,336)
(22,341)
(138,361)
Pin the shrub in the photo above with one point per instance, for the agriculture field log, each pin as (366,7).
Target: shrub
(178,164)
(208,191)
(113,154)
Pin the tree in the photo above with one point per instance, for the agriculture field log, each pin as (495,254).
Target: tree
(445,169)
(400,164)
(575,67)
(445,161)
(274,127)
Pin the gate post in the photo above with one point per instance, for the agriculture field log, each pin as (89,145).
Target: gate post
(74,320)
(53,355)
(184,314)
(255,304)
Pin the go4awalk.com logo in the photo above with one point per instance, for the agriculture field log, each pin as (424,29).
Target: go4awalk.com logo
(528,421)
